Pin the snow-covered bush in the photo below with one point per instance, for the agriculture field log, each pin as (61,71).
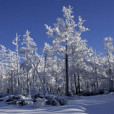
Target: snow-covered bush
(40,102)
(40,99)
(39,95)
(18,100)
(21,102)
(55,100)
(12,98)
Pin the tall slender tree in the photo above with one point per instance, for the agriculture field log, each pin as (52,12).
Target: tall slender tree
(63,34)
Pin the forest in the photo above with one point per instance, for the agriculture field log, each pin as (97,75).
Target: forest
(67,67)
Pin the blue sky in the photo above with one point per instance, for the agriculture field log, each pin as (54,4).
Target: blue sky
(16,16)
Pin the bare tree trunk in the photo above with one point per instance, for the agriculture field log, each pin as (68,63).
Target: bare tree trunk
(67,77)
(75,83)
(78,83)
(44,77)
(27,83)
(12,87)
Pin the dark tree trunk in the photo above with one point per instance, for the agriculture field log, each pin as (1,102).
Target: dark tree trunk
(78,83)
(66,67)
(75,83)
(27,83)
(67,78)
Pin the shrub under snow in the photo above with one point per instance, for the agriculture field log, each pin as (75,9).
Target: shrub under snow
(38,100)
(55,100)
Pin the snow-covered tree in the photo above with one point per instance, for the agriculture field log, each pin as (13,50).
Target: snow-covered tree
(109,49)
(3,67)
(65,37)
(15,42)
(27,52)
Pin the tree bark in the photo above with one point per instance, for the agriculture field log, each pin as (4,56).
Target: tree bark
(67,77)
(78,83)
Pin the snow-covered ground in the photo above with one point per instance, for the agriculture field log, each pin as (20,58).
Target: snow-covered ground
(100,104)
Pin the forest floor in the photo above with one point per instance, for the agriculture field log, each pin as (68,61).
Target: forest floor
(99,104)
